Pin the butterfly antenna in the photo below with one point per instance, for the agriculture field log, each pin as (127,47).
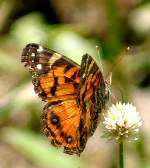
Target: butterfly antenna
(109,75)
(122,57)
(99,51)
(119,60)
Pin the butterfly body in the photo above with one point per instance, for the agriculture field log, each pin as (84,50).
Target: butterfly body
(75,95)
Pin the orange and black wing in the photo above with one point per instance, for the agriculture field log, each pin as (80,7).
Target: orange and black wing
(56,79)
(60,124)
(74,95)
(92,97)
(54,76)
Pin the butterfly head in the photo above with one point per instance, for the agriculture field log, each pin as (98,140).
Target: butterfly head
(108,82)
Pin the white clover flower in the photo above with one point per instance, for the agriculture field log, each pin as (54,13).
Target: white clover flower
(121,122)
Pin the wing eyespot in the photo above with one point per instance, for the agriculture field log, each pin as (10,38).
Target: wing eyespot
(55,119)
(69,139)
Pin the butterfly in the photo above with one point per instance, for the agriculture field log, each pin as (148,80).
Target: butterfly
(74,95)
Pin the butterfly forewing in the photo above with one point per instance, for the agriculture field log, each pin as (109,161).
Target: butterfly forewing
(54,76)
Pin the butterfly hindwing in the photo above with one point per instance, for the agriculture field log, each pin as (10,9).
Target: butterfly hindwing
(60,124)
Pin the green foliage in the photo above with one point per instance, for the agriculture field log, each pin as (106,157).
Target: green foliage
(36,149)
(20,108)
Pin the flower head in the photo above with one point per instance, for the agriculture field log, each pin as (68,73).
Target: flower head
(121,122)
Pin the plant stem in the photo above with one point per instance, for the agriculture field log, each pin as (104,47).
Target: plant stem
(121,156)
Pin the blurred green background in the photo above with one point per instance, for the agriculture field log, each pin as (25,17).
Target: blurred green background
(122,30)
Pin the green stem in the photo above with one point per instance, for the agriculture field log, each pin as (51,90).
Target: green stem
(121,156)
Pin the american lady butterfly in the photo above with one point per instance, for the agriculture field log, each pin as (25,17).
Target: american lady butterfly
(75,95)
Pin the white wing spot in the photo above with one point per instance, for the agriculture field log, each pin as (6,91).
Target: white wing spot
(33,54)
(40,49)
(54,58)
(83,76)
(39,66)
